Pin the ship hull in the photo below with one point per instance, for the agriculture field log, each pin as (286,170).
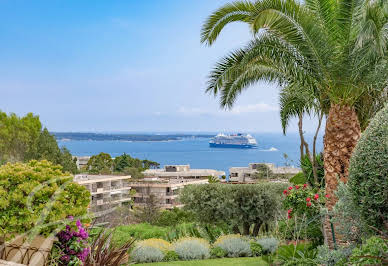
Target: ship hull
(235,146)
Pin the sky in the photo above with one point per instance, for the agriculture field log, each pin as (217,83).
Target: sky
(124,66)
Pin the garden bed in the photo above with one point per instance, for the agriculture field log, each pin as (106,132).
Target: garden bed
(214,262)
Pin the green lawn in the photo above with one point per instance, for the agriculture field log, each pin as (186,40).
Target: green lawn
(213,262)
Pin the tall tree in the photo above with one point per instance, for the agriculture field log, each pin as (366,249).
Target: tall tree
(101,163)
(335,49)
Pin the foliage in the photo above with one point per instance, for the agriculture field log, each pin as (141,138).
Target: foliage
(238,204)
(303,200)
(307,168)
(368,175)
(217,252)
(23,139)
(146,254)
(298,179)
(262,171)
(171,255)
(174,217)
(72,245)
(192,248)
(139,231)
(331,257)
(125,161)
(234,246)
(101,163)
(103,252)
(299,228)
(149,213)
(135,173)
(256,249)
(160,244)
(372,252)
(347,216)
(26,189)
(295,253)
(213,179)
(268,245)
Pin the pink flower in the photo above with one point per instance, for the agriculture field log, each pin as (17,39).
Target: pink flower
(304,185)
(297,187)
(316,196)
(308,204)
(308,199)
(327,196)
(285,192)
(290,188)
(289,211)
(289,216)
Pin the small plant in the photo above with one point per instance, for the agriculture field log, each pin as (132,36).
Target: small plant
(171,255)
(296,252)
(256,249)
(217,252)
(234,245)
(160,244)
(142,254)
(269,245)
(373,252)
(191,248)
(72,245)
(329,257)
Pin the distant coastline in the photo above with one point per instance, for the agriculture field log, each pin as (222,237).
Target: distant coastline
(67,136)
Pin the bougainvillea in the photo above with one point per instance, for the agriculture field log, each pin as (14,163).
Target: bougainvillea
(303,200)
(72,245)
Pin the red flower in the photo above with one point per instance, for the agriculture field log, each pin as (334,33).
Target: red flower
(308,204)
(327,196)
(289,211)
(305,185)
(289,216)
(316,196)
(308,199)
(297,187)
(290,188)
(285,192)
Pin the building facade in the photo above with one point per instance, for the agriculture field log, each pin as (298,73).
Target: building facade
(265,170)
(182,171)
(107,192)
(165,191)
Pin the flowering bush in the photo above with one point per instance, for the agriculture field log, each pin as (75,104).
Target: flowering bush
(72,245)
(234,245)
(302,200)
(191,248)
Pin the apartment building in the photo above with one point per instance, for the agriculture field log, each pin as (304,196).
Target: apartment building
(267,170)
(82,161)
(107,192)
(165,190)
(182,171)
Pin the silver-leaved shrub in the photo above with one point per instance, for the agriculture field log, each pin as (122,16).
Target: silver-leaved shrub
(234,246)
(269,245)
(143,254)
(192,248)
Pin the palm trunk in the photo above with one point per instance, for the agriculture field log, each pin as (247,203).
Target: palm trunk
(314,162)
(303,143)
(341,135)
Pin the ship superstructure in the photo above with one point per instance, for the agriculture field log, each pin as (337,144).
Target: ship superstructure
(241,141)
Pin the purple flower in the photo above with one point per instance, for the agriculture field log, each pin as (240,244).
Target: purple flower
(71,218)
(65,258)
(78,224)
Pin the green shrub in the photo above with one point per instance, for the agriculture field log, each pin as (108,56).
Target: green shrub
(296,253)
(217,252)
(332,257)
(142,254)
(298,179)
(374,247)
(307,168)
(368,175)
(171,255)
(234,246)
(138,231)
(192,249)
(174,217)
(238,204)
(256,249)
(20,213)
(269,245)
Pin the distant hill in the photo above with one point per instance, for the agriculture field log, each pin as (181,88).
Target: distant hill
(125,137)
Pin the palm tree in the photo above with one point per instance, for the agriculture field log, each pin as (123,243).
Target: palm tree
(334,49)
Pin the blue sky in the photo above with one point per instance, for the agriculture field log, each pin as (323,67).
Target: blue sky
(123,66)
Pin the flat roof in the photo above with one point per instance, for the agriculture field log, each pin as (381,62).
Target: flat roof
(84,179)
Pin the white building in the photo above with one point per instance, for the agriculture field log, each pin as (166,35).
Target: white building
(177,171)
(242,174)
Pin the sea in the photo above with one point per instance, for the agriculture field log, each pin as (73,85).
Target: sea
(272,148)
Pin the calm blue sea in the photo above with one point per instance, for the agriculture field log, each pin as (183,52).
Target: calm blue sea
(197,152)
